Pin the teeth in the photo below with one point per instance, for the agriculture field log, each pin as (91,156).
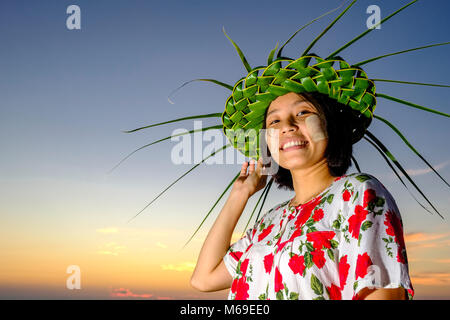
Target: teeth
(294,143)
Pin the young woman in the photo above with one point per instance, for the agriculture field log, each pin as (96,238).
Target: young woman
(340,237)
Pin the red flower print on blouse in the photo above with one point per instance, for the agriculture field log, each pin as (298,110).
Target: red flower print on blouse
(240,287)
(305,212)
(244,266)
(343,271)
(295,234)
(335,292)
(320,239)
(362,263)
(268,262)
(318,257)
(265,232)
(297,264)
(401,255)
(280,245)
(355,221)
(318,215)
(369,196)
(395,229)
(236,255)
(278,280)
(346,195)
(356,297)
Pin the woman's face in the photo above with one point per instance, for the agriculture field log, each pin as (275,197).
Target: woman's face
(295,134)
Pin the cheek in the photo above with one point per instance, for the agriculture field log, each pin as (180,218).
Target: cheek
(314,128)
(272,139)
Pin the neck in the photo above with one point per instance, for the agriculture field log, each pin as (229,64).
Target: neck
(310,182)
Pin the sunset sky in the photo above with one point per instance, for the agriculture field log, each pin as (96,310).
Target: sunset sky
(66,96)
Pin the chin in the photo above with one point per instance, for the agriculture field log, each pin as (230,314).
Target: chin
(295,163)
(299,161)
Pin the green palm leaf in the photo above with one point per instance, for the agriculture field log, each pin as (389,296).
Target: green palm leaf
(222,84)
(369,30)
(399,52)
(179,178)
(415,83)
(211,115)
(327,28)
(254,209)
(356,164)
(396,173)
(303,27)
(239,51)
(381,95)
(212,208)
(410,146)
(397,164)
(163,139)
(269,185)
(271,54)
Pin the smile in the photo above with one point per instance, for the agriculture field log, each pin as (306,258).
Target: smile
(293,145)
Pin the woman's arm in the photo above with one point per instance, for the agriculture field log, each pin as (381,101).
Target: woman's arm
(210,273)
(383,294)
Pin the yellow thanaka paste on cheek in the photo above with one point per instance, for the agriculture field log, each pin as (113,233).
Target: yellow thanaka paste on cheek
(314,127)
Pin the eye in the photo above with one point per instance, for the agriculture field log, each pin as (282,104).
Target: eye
(272,122)
(304,112)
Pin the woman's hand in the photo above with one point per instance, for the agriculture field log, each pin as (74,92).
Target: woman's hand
(252,181)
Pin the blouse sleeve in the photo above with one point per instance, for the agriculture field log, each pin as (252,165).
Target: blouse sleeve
(237,249)
(372,252)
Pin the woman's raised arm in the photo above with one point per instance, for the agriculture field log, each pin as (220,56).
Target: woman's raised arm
(210,273)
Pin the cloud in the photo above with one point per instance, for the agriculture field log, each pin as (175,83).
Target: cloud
(107,253)
(427,240)
(161,245)
(107,230)
(183,266)
(126,293)
(422,171)
(442,260)
(431,279)
(422,237)
(111,248)
(419,172)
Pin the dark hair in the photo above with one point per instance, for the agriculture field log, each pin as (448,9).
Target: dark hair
(338,120)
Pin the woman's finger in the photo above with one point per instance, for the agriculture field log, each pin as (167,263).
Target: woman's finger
(259,167)
(252,166)
(244,168)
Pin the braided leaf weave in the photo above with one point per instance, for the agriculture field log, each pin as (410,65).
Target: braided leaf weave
(252,95)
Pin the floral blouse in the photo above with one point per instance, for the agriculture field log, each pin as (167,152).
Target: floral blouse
(347,238)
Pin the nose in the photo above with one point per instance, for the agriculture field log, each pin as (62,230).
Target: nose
(288,126)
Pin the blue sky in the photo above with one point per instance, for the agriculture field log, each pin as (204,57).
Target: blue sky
(67,94)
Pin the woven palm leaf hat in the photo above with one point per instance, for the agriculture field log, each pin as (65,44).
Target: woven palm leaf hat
(332,76)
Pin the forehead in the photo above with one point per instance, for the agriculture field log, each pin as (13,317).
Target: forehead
(289,100)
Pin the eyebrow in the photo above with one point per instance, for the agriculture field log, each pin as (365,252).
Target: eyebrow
(275,110)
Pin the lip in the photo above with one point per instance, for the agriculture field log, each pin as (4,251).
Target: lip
(295,147)
(287,140)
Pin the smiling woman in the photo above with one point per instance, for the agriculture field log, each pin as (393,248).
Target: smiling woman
(341,236)
(335,239)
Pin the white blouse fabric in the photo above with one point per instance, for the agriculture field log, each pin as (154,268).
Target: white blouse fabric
(347,238)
